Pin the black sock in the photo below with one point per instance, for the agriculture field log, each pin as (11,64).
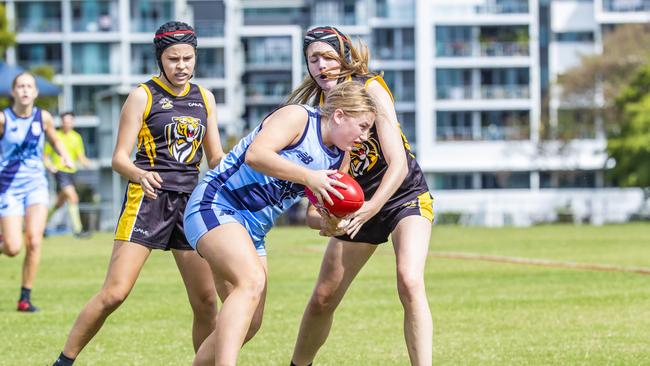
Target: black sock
(63,360)
(25,293)
(293,364)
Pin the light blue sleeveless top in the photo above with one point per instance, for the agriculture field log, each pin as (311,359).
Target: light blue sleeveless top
(260,199)
(21,150)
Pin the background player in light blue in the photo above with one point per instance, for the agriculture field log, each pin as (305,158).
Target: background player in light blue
(232,209)
(23,185)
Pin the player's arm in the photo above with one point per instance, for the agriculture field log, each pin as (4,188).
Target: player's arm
(50,133)
(390,138)
(212,143)
(321,219)
(127,133)
(284,128)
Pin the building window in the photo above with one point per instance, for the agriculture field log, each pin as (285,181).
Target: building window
(567,179)
(452,181)
(94,16)
(209,17)
(38,54)
(268,50)
(407,124)
(147,15)
(143,60)
(401,84)
(574,37)
(38,16)
(210,63)
(454,126)
(91,58)
(219,95)
(505,180)
(505,125)
(453,41)
(83,97)
(394,43)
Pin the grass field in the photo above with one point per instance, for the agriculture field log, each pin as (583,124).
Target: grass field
(485,313)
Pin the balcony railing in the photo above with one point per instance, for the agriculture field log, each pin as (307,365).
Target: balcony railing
(505,92)
(38,25)
(454,133)
(454,92)
(501,49)
(104,23)
(391,53)
(454,49)
(57,65)
(514,7)
(623,6)
(489,49)
(495,132)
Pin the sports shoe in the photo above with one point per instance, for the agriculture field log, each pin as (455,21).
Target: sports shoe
(82,235)
(26,306)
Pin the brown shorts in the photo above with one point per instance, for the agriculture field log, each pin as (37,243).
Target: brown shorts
(156,224)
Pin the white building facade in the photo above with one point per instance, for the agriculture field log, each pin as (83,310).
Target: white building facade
(469,77)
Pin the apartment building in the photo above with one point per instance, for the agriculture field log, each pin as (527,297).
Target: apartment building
(469,78)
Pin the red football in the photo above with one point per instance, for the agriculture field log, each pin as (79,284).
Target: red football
(352,197)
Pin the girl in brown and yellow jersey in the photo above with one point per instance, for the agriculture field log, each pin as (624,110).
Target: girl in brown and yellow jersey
(398,204)
(174,122)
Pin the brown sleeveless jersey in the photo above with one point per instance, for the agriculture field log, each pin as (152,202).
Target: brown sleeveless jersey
(368,165)
(173,129)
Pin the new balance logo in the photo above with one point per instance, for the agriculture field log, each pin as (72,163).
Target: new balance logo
(304,157)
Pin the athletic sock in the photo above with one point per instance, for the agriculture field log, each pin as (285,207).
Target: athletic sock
(63,360)
(25,293)
(73,210)
(293,364)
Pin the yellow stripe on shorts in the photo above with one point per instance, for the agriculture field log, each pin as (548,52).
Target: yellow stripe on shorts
(425,202)
(125,225)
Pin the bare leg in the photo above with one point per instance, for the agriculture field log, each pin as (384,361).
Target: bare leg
(126,262)
(12,232)
(201,293)
(35,218)
(224,288)
(341,263)
(411,243)
(230,252)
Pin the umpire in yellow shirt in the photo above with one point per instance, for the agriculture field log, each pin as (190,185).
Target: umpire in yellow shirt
(63,175)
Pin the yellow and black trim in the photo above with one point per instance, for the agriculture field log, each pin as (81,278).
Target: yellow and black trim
(425,203)
(205,101)
(130,210)
(169,90)
(144,136)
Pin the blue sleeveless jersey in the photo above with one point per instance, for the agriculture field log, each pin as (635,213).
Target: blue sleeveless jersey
(233,188)
(21,151)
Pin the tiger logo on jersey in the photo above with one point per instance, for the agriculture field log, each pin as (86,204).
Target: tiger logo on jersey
(364,156)
(184,136)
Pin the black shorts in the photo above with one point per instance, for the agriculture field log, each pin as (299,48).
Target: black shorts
(63,180)
(378,228)
(156,224)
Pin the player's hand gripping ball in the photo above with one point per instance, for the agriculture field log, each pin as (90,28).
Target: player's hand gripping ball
(352,197)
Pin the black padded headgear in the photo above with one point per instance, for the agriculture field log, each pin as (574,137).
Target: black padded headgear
(329,35)
(170,34)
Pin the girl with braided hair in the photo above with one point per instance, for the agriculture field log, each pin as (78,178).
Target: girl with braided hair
(398,204)
(174,122)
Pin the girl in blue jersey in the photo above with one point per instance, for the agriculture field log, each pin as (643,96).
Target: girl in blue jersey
(23,185)
(234,207)
(398,204)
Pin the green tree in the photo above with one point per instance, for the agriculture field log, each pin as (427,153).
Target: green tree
(7,38)
(593,86)
(629,143)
